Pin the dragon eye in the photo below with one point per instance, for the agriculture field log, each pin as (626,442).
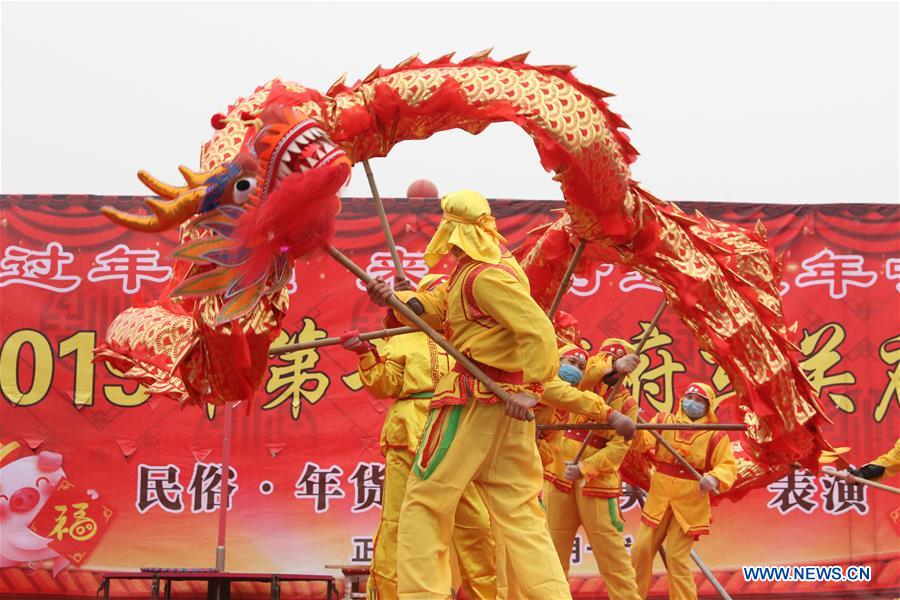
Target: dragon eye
(243,189)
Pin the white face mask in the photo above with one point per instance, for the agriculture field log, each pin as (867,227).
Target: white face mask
(694,409)
(570,373)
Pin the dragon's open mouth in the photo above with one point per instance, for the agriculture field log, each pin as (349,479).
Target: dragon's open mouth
(303,147)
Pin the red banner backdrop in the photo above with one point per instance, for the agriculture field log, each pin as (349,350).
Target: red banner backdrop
(305,462)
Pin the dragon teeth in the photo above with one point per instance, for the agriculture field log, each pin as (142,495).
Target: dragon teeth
(294,147)
(284,170)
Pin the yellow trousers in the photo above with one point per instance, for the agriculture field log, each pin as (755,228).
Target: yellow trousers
(678,557)
(476,443)
(602,523)
(507,584)
(472,538)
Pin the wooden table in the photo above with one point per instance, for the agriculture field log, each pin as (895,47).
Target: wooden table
(218,582)
(353,575)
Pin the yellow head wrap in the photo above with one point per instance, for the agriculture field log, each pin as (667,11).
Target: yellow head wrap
(468,225)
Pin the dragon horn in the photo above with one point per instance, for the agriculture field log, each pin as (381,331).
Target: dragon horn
(193,179)
(165,214)
(163,189)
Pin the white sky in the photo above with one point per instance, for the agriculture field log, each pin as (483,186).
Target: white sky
(751,102)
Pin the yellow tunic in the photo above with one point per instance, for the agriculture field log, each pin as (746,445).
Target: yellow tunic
(601,459)
(488,314)
(889,460)
(403,371)
(671,486)
(561,398)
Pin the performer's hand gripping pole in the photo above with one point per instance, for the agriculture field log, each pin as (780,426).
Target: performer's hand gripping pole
(618,384)
(859,480)
(407,312)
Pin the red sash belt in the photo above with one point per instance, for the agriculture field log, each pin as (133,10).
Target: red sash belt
(496,374)
(596,441)
(674,471)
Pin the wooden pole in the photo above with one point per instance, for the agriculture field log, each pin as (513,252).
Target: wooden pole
(618,384)
(648,427)
(332,341)
(709,575)
(854,479)
(224,486)
(382,216)
(567,276)
(439,339)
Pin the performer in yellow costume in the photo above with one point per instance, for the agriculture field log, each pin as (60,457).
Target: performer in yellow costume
(561,398)
(587,494)
(886,465)
(407,368)
(489,315)
(678,508)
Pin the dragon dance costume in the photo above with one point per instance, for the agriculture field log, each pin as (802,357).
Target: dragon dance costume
(593,502)
(407,368)
(677,511)
(488,315)
(266,195)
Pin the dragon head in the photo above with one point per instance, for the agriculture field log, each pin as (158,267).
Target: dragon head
(287,145)
(247,219)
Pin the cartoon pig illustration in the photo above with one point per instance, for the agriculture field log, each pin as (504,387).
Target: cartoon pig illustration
(25,486)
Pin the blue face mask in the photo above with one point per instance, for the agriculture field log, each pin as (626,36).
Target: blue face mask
(693,409)
(570,373)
